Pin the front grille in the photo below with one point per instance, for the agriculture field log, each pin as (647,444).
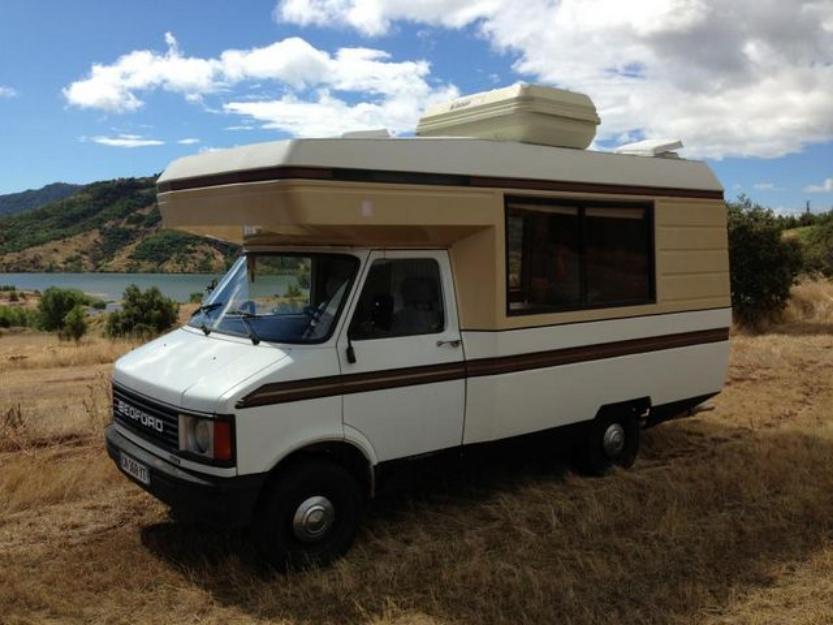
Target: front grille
(146,418)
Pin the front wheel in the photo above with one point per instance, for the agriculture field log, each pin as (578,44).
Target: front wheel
(607,442)
(309,516)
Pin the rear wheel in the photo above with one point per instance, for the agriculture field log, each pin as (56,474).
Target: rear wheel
(309,515)
(608,442)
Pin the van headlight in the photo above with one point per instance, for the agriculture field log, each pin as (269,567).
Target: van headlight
(210,438)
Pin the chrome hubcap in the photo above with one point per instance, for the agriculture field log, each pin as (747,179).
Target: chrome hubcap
(613,441)
(313,518)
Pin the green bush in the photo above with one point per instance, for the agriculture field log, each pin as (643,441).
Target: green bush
(818,249)
(56,303)
(764,265)
(16,317)
(196,298)
(75,324)
(143,313)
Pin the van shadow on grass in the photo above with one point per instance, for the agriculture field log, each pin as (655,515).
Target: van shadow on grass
(707,514)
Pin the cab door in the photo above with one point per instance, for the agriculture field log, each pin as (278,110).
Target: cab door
(402,363)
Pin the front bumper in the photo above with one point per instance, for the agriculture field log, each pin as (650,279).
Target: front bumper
(223,501)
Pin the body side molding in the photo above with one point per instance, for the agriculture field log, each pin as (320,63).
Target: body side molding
(313,388)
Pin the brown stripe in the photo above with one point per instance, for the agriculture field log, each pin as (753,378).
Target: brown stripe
(421,178)
(572,355)
(297,390)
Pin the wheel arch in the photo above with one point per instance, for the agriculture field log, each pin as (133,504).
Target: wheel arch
(639,406)
(339,451)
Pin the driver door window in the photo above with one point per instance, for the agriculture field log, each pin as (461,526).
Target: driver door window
(401,297)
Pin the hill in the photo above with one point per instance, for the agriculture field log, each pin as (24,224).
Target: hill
(14,203)
(112,225)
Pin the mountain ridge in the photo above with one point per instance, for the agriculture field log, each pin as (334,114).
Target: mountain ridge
(111,225)
(22,201)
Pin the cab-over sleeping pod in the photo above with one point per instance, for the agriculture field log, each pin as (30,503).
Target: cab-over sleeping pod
(404,296)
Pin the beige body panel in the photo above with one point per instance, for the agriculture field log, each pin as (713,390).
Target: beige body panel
(691,254)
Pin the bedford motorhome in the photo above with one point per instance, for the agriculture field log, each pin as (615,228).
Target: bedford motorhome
(487,279)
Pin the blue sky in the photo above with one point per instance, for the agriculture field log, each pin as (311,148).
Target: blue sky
(749,88)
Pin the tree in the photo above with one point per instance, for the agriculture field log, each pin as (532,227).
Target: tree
(764,265)
(75,324)
(56,303)
(143,313)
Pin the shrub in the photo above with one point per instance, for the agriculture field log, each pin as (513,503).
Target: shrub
(764,265)
(75,324)
(16,317)
(56,303)
(143,313)
(195,298)
(818,249)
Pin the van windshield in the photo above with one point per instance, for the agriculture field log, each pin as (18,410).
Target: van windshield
(284,298)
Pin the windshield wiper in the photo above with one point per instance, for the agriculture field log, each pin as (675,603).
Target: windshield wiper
(206,308)
(244,317)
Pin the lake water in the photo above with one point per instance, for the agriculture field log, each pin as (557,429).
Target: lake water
(110,286)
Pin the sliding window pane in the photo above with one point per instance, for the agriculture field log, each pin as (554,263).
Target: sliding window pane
(543,255)
(618,258)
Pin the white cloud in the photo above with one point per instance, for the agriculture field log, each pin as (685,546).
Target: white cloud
(767,186)
(7,92)
(740,78)
(374,17)
(824,187)
(349,89)
(188,141)
(329,116)
(113,87)
(126,141)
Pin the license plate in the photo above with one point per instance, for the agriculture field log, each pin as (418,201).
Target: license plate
(134,468)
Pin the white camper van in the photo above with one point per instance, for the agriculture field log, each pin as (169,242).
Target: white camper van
(487,279)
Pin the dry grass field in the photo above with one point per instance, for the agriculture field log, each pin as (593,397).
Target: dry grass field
(727,518)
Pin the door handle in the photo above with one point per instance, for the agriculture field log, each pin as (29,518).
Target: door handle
(451,343)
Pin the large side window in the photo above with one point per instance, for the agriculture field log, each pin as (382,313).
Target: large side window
(574,255)
(401,297)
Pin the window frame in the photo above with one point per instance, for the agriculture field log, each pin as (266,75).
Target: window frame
(360,292)
(580,204)
(342,309)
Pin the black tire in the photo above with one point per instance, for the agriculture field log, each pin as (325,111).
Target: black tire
(590,454)
(274,531)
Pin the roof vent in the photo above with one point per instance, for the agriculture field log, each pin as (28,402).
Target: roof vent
(376,133)
(525,113)
(660,148)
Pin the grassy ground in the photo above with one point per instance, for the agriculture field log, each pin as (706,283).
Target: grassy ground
(726,517)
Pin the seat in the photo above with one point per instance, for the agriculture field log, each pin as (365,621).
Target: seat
(421,312)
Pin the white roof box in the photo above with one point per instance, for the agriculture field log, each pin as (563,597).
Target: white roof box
(524,113)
